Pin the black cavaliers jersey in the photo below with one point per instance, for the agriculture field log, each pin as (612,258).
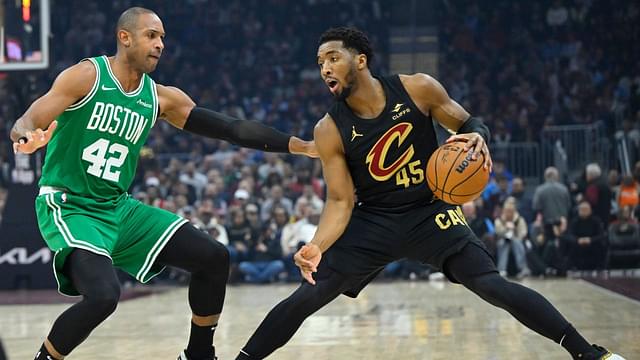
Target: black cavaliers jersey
(387,156)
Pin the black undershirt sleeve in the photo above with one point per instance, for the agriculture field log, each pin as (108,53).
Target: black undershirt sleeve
(245,133)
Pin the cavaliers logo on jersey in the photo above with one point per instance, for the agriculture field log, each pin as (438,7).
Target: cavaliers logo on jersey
(377,156)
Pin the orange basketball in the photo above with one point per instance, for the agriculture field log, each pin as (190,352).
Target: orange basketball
(453,176)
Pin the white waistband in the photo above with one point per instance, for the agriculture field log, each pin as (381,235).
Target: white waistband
(49,190)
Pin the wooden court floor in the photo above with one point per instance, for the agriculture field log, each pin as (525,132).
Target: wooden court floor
(399,320)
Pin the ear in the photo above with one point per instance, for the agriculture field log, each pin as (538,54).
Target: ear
(124,37)
(361,61)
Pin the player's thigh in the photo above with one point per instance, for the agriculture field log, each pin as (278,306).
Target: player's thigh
(436,232)
(143,233)
(469,263)
(65,225)
(370,241)
(194,250)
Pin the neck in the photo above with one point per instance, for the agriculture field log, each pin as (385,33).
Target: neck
(128,77)
(367,99)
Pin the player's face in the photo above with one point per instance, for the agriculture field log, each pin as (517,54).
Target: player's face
(147,43)
(337,68)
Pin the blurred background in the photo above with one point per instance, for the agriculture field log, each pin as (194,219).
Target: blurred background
(558,83)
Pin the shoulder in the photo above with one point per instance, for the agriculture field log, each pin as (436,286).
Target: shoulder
(325,126)
(78,79)
(326,134)
(424,89)
(164,90)
(171,97)
(419,82)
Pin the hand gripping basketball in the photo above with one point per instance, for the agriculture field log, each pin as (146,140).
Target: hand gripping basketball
(455,174)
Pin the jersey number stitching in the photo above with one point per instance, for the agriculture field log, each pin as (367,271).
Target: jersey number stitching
(101,167)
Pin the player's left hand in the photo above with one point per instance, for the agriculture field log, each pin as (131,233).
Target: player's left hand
(34,139)
(475,143)
(308,259)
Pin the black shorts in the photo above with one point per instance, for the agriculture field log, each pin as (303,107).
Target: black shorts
(375,237)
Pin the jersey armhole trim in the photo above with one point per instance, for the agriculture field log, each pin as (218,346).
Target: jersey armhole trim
(156,102)
(398,81)
(91,93)
(343,140)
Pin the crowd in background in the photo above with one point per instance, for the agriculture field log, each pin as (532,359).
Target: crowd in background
(519,65)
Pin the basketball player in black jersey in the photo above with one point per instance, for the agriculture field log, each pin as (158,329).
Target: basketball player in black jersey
(373,144)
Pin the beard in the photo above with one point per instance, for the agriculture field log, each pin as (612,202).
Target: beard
(344,94)
(346,90)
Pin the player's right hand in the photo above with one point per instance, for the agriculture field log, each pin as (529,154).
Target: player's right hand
(34,139)
(308,259)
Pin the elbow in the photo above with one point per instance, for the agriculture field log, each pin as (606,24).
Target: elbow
(346,202)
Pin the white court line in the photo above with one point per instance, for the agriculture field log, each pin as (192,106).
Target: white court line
(610,292)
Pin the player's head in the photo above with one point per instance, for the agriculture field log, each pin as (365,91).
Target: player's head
(140,38)
(343,54)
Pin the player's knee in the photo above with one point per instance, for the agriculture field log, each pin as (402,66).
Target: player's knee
(104,299)
(216,258)
(487,285)
(309,298)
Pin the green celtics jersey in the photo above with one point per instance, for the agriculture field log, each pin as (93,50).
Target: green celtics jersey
(95,149)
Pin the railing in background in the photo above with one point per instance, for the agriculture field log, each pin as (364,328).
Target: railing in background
(520,158)
(569,148)
(572,147)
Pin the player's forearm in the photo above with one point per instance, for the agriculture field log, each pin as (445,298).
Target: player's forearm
(245,133)
(333,222)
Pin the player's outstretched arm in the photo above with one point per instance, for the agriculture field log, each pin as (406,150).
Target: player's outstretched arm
(432,98)
(177,108)
(340,198)
(28,133)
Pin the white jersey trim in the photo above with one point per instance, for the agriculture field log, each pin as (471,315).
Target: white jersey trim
(91,93)
(135,92)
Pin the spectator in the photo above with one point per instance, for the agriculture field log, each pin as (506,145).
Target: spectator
(193,178)
(628,193)
(253,219)
(311,197)
(552,199)
(511,232)
(276,198)
(624,233)
(557,14)
(524,201)
(481,226)
(498,197)
(587,249)
(547,255)
(597,193)
(264,262)
(239,233)
(273,164)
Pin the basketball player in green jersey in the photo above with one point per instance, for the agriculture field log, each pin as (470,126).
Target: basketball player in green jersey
(97,116)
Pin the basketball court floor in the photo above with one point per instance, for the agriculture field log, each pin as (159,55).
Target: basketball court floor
(398,320)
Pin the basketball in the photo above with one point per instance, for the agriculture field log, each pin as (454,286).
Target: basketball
(453,176)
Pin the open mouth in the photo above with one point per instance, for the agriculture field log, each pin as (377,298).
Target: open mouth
(332,84)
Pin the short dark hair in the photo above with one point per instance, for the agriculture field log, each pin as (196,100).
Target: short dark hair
(351,38)
(129,17)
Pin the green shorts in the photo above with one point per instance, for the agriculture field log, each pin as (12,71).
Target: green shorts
(130,233)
